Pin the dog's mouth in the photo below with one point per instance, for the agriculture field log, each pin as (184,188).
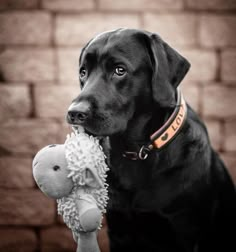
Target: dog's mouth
(77,127)
(93,124)
(100,124)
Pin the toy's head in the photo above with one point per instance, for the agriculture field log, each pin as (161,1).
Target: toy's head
(50,171)
(57,168)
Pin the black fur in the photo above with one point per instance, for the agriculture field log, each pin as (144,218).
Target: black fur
(179,199)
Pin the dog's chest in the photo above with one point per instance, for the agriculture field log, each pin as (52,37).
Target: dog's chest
(131,185)
(128,174)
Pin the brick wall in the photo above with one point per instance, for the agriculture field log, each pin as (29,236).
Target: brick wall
(40,41)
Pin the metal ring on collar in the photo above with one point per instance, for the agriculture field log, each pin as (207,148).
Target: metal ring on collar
(142,153)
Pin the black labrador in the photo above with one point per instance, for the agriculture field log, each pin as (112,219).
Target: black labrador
(168,189)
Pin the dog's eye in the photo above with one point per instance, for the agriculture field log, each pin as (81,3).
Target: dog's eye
(120,71)
(82,72)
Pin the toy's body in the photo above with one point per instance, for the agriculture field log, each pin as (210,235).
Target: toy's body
(74,174)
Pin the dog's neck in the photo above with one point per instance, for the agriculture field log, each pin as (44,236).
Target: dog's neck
(140,128)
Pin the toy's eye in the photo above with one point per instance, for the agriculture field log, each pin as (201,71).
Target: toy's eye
(56,168)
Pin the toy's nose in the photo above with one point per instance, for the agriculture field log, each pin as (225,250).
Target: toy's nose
(78,112)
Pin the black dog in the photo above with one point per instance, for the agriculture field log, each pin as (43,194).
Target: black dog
(169,191)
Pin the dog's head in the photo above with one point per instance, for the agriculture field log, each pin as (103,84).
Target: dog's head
(122,73)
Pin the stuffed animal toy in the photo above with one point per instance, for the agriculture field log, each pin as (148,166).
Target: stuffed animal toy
(74,173)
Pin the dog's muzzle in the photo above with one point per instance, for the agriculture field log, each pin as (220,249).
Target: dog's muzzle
(78,112)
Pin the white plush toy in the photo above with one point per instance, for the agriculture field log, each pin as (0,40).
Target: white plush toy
(74,174)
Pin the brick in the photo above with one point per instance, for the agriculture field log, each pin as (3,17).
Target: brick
(217,30)
(68,64)
(16,173)
(15,102)
(30,28)
(214,131)
(103,239)
(20,240)
(203,64)
(26,207)
(228,65)
(140,5)
(176,29)
(230,162)
(79,29)
(27,64)
(28,136)
(57,238)
(60,219)
(65,129)
(18,4)
(191,94)
(53,101)
(230,136)
(219,101)
(211,4)
(68,5)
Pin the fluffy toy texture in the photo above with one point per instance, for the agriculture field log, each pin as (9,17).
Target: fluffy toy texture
(75,175)
(87,169)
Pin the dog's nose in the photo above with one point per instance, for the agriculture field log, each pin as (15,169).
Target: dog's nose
(74,116)
(78,112)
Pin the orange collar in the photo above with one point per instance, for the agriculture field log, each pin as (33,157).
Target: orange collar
(164,135)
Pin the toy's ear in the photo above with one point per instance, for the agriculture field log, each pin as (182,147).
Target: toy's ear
(91,179)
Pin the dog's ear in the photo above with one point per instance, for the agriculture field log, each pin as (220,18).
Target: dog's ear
(169,69)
